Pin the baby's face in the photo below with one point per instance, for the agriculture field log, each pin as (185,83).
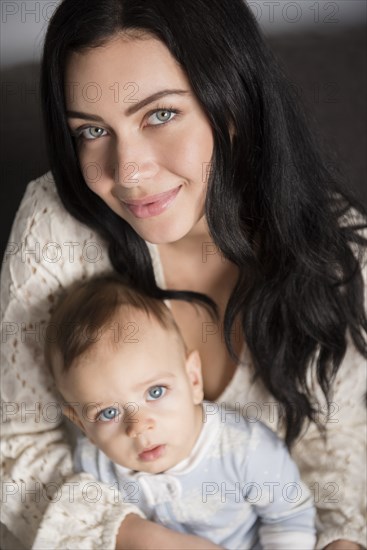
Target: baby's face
(139,401)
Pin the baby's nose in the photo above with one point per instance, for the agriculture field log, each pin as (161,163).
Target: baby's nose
(139,426)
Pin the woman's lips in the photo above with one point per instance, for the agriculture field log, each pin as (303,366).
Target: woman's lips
(152,454)
(152,206)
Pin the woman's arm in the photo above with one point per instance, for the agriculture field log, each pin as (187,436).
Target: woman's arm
(47,506)
(343,545)
(136,533)
(336,471)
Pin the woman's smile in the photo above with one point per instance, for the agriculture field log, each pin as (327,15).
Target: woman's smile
(153,205)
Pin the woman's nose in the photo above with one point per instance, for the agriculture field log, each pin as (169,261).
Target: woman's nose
(135,163)
(139,426)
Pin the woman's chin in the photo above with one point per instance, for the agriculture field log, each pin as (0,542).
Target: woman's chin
(161,239)
(164,234)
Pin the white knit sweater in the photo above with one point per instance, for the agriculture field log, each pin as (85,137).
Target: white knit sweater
(46,505)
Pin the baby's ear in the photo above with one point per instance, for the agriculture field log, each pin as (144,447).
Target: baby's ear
(72,415)
(193,369)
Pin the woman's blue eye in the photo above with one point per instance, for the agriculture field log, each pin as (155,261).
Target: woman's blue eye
(163,115)
(156,392)
(108,414)
(91,133)
(86,133)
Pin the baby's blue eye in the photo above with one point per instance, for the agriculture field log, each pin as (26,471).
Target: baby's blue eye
(108,414)
(156,392)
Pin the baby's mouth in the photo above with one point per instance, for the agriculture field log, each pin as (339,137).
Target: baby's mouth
(152,453)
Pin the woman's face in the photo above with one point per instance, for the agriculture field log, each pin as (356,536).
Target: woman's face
(144,142)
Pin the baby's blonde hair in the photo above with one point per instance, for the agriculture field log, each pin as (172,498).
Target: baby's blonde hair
(94,304)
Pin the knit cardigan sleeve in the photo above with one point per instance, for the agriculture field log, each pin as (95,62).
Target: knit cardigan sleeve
(46,505)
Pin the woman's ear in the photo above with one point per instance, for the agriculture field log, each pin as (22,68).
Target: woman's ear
(193,369)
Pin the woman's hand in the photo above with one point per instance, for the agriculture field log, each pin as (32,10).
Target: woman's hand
(136,533)
(342,545)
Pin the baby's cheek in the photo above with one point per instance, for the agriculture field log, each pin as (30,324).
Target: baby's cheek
(106,436)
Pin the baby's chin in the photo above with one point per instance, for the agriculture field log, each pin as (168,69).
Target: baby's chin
(154,467)
(152,470)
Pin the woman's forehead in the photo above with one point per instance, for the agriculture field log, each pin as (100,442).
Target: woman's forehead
(147,63)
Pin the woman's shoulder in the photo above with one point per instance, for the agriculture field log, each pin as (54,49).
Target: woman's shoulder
(47,246)
(354,219)
(41,207)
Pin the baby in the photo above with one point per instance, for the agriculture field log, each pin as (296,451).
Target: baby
(128,382)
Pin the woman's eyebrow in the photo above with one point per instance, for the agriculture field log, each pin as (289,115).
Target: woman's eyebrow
(131,110)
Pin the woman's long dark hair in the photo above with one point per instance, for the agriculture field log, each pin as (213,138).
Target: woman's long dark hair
(273,208)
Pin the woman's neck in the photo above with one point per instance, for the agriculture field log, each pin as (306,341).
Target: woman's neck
(197,239)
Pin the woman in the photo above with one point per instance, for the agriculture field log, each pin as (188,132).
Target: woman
(176,147)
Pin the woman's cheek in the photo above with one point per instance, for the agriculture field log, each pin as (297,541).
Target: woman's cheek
(96,174)
(196,156)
